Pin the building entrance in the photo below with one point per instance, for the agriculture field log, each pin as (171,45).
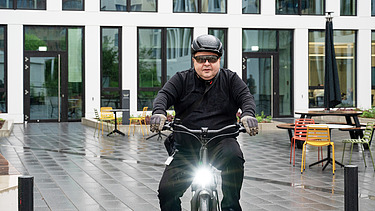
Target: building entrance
(260,73)
(46,92)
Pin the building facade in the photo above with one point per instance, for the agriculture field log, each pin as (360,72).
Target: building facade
(61,59)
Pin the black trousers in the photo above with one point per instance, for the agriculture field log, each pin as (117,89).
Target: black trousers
(225,155)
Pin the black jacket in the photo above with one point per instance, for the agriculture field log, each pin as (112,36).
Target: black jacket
(219,106)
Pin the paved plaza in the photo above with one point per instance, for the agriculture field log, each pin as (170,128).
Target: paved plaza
(73,170)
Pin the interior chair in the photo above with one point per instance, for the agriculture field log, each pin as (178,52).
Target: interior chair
(319,136)
(361,141)
(300,129)
(139,120)
(98,121)
(106,116)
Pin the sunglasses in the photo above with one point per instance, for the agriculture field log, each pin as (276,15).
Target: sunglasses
(209,58)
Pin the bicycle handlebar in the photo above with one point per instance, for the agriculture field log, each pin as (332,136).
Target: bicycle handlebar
(204,131)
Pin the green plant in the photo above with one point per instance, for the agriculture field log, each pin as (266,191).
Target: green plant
(262,118)
(370,113)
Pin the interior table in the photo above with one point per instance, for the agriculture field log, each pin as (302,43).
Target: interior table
(328,158)
(116,129)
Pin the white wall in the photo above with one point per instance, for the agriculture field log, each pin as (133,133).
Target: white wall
(92,19)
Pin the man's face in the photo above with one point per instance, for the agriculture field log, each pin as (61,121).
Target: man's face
(206,70)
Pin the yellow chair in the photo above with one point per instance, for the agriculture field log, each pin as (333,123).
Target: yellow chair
(139,120)
(106,116)
(318,136)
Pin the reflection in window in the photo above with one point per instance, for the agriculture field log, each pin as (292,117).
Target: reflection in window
(110,66)
(53,38)
(345,57)
(250,6)
(75,69)
(277,42)
(129,5)
(161,53)
(72,5)
(348,7)
(23,4)
(300,7)
(222,35)
(3,69)
(258,40)
(203,6)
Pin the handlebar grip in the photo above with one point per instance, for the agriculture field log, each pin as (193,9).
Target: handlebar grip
(242,129)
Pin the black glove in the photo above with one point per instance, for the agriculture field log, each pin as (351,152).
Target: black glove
(251,125)
(157,122)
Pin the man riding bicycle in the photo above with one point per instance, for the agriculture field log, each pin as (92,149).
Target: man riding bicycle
(204,96)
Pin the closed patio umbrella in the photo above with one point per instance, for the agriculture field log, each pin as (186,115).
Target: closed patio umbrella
(332,94)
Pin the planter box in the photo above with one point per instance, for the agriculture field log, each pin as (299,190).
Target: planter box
(6,129)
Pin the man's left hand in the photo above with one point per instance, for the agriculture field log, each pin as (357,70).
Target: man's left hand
(251,125)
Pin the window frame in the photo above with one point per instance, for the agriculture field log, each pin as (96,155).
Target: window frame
(164,59)
(355,10)
(225,43)
(200,8)
(111,89)
(5,89)
(128,7)
(355,52)
(15,6)
(300,9)
(83,7)
(260,8)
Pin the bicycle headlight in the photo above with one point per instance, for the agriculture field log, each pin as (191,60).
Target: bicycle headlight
(203,177)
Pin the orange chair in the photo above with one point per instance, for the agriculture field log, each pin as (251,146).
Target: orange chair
(319,136)
(106,116)
(300,129)
(140,119)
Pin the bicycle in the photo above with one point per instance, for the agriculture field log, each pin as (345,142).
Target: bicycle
(204,192)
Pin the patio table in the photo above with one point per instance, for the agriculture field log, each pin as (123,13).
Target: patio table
(349,116)
(116,129)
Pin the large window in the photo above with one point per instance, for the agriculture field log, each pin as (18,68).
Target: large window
(267,54)
(200,6)
(23,4)
(111,67)
(129,5)
(345,49)
(372,7)
(250,6)
(76,5)
(222,35)
(300,7)
(3,69)
(348,7)
(161,53)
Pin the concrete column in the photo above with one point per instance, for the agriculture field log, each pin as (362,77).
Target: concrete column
(92,69)
(301,70)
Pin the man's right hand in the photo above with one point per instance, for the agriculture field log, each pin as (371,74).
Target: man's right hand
(157,122)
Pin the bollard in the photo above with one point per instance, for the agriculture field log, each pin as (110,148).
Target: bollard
(25,193)
(351,187)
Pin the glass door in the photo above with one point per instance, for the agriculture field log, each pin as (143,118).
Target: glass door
(259,75)
(45,92)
